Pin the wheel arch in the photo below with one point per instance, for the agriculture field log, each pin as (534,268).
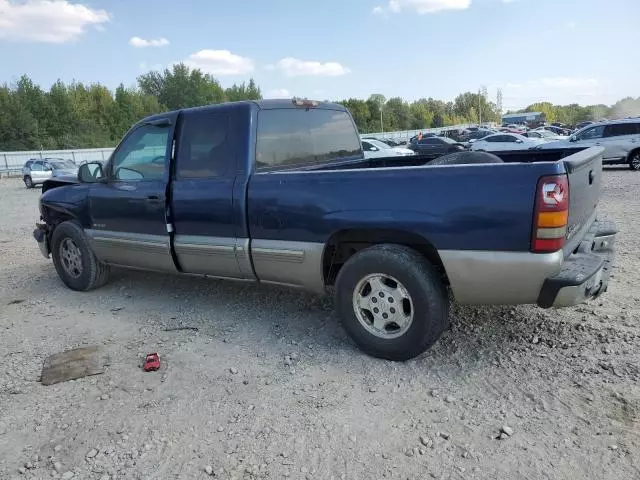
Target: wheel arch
(343,244)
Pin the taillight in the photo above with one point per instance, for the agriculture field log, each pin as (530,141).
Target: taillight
(551,214)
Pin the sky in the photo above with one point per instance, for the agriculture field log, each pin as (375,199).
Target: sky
(563,51)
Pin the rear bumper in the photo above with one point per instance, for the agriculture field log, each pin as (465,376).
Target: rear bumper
(41,234)
(585,274)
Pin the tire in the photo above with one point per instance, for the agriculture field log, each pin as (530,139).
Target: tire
(466,158)
(428,301)
(28,181)
(82,271)
(634,161)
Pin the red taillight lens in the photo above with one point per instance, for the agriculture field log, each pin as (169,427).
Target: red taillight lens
(551,214)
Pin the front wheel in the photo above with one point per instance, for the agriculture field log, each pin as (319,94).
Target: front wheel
(634,161)
(391,302)
(74,259)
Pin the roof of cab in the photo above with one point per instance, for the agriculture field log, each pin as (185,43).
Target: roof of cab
(270,104)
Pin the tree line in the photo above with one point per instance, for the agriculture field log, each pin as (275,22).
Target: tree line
(79,115)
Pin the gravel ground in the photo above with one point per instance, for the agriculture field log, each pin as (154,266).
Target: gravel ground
(269,386)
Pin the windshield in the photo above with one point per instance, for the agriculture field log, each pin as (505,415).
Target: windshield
(447,140)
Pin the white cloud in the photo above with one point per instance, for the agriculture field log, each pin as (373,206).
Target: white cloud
(49,21)
(220,62)
(422,7)
(292,67)
(142,43)
(279,93)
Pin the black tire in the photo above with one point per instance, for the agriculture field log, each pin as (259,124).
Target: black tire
(634,160)
(464,158)
(28,181)
(429,300)
(92,274)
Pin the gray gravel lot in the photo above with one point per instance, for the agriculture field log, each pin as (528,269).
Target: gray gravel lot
(270,387)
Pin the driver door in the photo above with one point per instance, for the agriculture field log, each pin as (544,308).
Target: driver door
(128,223)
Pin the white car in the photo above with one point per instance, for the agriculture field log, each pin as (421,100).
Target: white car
(619,138)
(505,141)
(375,148)
(546,135)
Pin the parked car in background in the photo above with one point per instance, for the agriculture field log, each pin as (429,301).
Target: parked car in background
(36,171)
(436,146)
(620,139)
(581,125)
(375,148)
(543,135)
(277,191)
(505,141)
(555,130)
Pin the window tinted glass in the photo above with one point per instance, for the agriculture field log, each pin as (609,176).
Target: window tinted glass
(366,146)
(142,154)
(300,137)
(618,129)
(509,138)
(205,147)
(594,132)
(36,166)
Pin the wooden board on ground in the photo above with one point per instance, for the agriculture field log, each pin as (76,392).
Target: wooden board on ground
(73,364)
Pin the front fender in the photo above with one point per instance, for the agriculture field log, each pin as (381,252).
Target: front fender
(65,202)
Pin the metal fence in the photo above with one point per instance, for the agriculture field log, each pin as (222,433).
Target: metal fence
(12,162)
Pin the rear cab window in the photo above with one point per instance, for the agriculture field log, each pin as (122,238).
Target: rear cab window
(301,138)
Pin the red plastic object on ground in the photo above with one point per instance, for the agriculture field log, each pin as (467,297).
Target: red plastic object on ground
(151,362)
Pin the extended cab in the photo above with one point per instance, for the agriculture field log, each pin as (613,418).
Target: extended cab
(279,192)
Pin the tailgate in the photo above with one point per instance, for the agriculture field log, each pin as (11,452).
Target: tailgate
(584,170)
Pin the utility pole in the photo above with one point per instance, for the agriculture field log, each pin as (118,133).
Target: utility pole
(381,125)
(479,108)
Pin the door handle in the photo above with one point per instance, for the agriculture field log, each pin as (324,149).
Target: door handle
(154,199)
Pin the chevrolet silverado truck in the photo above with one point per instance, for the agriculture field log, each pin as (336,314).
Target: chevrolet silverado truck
(280,192)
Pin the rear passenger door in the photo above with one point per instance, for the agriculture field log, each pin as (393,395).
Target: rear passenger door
(37,172)
(206,238)
(619,139)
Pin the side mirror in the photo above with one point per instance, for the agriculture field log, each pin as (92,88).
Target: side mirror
(90,172)
(573,138)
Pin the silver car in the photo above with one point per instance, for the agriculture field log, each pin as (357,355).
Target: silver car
(620,139)
(36,171)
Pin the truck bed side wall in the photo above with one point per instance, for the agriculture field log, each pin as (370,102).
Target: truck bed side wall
(458,209)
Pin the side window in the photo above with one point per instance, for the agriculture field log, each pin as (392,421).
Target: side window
(367,147)
(591,133)
(302,137)
(205,148)
(36,167)
(141,156)
(494,138)
(619,129)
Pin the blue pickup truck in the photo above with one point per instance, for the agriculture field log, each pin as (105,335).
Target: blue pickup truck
(279,192)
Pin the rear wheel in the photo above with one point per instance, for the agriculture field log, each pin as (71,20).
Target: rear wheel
(28,181)
(392,302)
(74,259)
(634,160)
